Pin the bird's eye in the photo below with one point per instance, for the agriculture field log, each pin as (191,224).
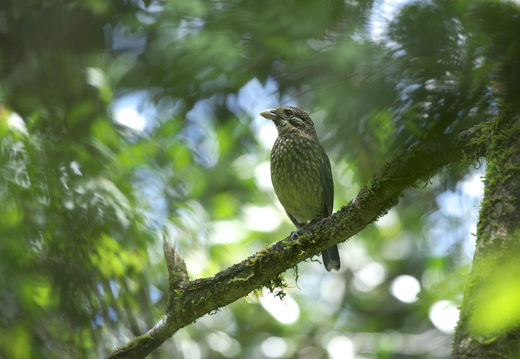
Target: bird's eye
(288,113)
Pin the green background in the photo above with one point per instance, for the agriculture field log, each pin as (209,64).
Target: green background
(84,197)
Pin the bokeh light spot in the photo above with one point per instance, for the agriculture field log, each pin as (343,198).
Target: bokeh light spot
(444,315)
(405,288)
(341,347)
(130,118)
(274,347)
(286,311)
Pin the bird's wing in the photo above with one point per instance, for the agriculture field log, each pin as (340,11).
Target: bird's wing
(297,223)
(326,181)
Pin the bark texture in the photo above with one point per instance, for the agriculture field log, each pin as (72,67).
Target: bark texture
(489,323)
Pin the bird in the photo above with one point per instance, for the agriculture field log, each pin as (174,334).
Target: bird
(301,173)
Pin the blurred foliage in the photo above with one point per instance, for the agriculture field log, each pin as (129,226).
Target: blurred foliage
(86,190)
(496,310)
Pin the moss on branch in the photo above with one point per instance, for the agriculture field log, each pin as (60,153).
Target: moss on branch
(265,269)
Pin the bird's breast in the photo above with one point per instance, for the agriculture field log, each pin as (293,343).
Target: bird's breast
(295,172)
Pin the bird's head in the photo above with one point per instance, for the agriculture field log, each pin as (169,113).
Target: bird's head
(291,119)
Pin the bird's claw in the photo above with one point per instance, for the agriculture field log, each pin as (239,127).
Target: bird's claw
(295,234)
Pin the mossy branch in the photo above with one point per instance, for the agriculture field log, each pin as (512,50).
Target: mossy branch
(190,300)
(488,322)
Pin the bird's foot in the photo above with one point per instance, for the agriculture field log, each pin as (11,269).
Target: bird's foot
(295,234)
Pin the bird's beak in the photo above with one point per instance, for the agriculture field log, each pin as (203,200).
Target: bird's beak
(269,114)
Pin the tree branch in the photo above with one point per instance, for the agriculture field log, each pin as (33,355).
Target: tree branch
(190,300)
(488,325)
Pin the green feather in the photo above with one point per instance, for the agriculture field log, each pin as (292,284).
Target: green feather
(326,181)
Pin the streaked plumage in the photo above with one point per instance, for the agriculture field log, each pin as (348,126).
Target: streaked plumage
(300,172)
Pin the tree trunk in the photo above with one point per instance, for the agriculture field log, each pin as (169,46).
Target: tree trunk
(489,323)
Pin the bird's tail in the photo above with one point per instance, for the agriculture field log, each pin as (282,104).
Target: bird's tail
(331,258)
